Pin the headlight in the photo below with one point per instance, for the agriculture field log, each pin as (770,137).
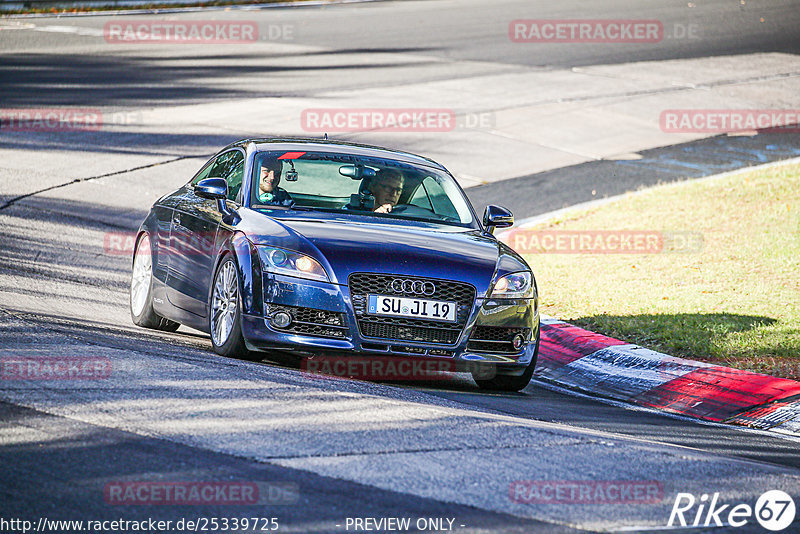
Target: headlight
(514,286)
(279,261)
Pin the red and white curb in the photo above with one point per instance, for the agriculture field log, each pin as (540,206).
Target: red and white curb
(599,365)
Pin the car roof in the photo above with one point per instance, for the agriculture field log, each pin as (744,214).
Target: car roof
(341,147)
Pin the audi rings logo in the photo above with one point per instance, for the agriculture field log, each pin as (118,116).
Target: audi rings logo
(415,287)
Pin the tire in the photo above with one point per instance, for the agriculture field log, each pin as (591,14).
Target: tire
(141,291)
(510,383)
(225,311)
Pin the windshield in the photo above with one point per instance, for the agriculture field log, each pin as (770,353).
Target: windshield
(360,185)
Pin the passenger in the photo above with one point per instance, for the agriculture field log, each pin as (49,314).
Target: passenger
(386,187)
(268,190)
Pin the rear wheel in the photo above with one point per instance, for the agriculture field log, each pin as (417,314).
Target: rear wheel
(510,382)
(225,320)
(141,294)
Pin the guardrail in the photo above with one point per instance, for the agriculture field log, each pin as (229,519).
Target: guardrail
(38,5)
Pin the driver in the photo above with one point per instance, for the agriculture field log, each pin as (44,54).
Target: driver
(268,190)
(386,187)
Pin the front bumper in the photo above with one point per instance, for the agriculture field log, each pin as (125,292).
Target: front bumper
(328,323)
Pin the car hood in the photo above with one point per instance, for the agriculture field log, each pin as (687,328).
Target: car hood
(346,247)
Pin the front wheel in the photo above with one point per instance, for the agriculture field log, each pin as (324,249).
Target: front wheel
(141,294)
(510,383)
(225,321)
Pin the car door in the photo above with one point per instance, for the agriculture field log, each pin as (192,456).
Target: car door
(193,232)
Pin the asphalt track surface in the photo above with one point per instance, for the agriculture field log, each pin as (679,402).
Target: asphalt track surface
(174,411)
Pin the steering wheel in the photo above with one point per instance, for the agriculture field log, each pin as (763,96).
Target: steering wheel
(415,211)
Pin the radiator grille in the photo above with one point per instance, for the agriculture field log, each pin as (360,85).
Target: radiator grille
(405,329)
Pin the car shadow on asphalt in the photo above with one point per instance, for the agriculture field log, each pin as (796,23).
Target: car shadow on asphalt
(537,402)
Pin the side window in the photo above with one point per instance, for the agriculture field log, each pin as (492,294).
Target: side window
(230,167)
(420,198)
(431,196)
(203,173)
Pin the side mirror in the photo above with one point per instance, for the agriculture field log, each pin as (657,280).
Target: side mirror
(497,217)
(214,189)
(211,188)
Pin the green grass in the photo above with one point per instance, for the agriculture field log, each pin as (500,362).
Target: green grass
(733,302)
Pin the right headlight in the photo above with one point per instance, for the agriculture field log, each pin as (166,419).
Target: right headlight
(278,260)
(514,286)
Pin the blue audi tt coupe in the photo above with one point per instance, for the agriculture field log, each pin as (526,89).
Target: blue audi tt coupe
(322,247)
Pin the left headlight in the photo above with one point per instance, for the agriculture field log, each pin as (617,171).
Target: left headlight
(290,263)
(514,286)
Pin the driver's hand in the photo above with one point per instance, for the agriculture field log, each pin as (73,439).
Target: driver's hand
(386,208)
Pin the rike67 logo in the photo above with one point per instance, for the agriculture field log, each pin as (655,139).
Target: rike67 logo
(774,510)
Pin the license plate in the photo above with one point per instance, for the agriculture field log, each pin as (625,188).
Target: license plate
(436,310)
